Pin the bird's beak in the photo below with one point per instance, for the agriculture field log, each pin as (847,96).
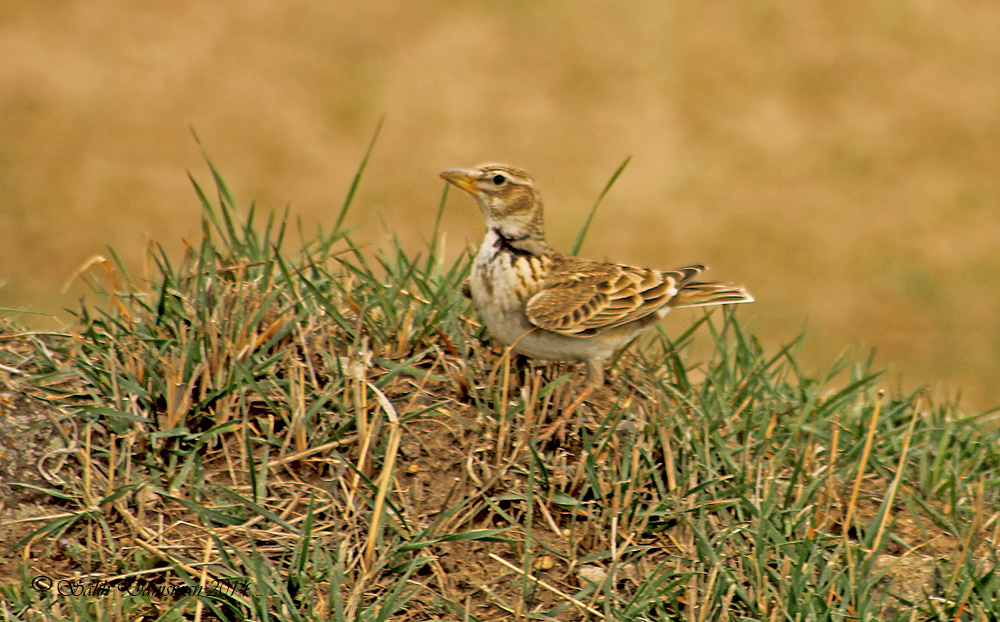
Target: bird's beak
(462,178)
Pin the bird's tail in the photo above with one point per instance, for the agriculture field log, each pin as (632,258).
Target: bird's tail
(705,294)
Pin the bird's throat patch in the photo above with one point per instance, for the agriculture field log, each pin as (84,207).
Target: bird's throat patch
(509,244)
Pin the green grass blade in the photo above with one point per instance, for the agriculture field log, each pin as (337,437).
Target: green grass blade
(593,210)
(356,182)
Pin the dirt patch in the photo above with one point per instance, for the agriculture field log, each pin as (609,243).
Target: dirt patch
(31,438)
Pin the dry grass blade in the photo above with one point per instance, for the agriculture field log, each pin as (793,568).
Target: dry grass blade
(862,465)
(894,486)
(385,479)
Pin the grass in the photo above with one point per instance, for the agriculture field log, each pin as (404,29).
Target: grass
(328,434)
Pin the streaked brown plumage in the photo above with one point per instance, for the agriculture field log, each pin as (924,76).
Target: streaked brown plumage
(550,306)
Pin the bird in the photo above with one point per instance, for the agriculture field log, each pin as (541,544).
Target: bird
(546,305)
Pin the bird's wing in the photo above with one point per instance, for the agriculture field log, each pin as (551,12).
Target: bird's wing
(582,298)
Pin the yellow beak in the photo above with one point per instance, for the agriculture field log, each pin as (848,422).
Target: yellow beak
(462,178)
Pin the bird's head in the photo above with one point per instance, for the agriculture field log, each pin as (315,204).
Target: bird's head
(506,195)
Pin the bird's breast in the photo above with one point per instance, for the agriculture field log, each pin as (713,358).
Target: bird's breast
(507,279)
(501,284)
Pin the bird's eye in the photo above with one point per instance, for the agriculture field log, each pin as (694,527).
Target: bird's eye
(499,180)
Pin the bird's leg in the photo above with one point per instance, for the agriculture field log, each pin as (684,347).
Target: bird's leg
(521,368)
(595,373)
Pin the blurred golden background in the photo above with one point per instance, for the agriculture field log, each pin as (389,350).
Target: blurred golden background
(839,159)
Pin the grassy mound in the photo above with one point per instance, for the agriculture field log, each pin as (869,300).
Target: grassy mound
(327,434)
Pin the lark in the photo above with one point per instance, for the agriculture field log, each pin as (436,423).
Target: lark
(551,306)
